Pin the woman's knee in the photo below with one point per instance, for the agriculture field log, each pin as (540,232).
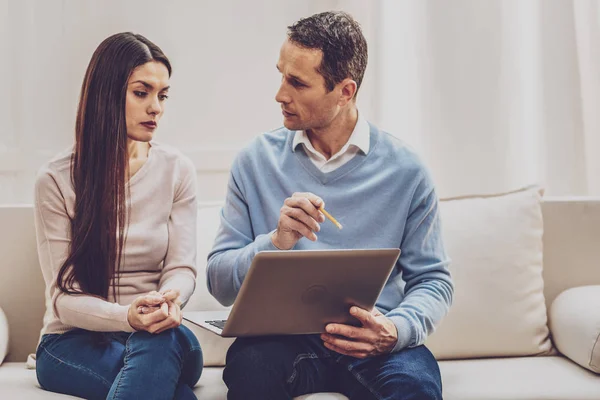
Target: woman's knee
(179,339)
(179,345)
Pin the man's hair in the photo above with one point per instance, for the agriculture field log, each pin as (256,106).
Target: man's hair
(340,39)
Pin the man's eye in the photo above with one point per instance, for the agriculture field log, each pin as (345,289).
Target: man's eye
(140,94)
(295,83)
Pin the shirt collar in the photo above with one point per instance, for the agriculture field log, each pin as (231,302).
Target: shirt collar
(360,137)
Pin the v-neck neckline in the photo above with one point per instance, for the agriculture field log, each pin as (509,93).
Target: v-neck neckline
(328,177)
(142,170)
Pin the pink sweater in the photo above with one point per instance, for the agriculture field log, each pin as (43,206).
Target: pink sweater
(159,253)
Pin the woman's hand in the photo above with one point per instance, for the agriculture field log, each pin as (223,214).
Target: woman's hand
(172,295)
(169,310)
(173,319)
(168,295)
(144,321)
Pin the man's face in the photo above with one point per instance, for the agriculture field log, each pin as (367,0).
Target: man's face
(304,99)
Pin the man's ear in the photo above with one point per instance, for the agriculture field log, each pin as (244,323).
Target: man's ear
(348,89)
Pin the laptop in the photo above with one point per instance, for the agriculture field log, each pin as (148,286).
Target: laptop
(301,291)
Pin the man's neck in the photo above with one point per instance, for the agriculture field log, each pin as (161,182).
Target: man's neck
(330,140)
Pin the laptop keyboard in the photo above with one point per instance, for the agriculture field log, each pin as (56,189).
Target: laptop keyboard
(218,323)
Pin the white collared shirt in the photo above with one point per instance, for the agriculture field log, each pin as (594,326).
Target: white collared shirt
(360,140)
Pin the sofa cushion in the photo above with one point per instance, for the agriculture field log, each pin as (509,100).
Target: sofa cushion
(522,378)
(495,243)
(538,378)
(3,336)
(18,382)
(575,325)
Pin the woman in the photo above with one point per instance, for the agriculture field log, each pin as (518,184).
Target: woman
(116,236)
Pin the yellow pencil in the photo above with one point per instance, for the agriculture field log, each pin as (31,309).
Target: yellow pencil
(330,217)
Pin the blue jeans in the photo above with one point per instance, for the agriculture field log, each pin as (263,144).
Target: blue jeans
(282,367)
(136,365)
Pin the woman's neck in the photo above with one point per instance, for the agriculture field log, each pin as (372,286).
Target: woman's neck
(138,154)
(137,150)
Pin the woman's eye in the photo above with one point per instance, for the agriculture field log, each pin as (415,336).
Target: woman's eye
(140,94)
(163,97)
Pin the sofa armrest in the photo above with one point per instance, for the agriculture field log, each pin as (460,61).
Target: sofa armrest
(3,336)
(575,325)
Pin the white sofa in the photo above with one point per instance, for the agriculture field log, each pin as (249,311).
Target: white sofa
(570,259)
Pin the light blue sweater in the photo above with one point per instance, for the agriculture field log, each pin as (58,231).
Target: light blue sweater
(384,199)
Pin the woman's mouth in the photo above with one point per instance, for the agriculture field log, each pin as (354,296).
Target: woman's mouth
(150,124)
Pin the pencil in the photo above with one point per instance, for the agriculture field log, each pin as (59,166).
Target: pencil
(330,217)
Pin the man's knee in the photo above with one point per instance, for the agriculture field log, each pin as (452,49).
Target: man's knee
(410,387)
(426,388)
(256,367)
(412,374)
(253,357)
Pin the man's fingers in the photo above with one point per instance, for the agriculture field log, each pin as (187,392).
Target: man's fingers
(347,347)
(308,202)
(356,354)
(364,316)
(313,198)
(303,217)
(299,227)
(351,332)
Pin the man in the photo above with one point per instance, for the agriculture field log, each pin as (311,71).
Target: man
(380,192)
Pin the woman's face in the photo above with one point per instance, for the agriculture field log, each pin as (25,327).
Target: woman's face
(147,90)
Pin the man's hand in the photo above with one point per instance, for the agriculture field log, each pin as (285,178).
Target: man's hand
(378,335)
(299,217)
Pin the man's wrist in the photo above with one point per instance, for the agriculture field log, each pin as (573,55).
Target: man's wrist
(274,240)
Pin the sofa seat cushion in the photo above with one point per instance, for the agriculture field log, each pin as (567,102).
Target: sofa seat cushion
(18,382)
(523,378)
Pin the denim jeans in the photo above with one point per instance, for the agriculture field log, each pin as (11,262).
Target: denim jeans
(282,367)
(136,365)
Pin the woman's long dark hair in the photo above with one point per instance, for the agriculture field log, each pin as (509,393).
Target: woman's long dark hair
(99,166)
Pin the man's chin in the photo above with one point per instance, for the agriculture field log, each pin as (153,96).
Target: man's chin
(291,126)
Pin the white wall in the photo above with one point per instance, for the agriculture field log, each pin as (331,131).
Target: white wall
(222,89)
(493,94)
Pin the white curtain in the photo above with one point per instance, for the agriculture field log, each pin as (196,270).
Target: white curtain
(493,94)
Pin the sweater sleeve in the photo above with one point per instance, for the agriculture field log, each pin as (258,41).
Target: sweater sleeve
(235,245)
(53,227)
(429,288)
(179,270)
